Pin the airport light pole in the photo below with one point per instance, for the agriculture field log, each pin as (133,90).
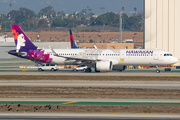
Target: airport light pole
(120,27)
(99,36)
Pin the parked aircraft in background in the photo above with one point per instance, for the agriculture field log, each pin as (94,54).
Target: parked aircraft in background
(100,59)
(73,44)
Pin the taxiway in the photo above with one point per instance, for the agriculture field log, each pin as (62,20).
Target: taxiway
(81,83)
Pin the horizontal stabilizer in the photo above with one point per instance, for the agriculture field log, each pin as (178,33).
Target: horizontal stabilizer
(17,53)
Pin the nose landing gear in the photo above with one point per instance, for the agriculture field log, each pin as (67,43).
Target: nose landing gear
(157,69)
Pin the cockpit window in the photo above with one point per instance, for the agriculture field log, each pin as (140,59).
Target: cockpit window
(167,54)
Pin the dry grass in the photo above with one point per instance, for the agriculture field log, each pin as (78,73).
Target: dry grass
(93,78)
(91,108)
(82,92)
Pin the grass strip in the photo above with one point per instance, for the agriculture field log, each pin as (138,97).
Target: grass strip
(90,103)
(94,78)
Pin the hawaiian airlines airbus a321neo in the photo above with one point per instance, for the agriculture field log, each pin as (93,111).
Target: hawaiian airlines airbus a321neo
(100,59)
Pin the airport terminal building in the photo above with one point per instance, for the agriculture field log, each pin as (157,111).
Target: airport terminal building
(162,24)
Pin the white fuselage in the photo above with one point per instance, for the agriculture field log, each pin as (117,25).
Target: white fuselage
(117,56)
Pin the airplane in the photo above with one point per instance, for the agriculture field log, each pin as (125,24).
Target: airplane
(100,59)
(73,44)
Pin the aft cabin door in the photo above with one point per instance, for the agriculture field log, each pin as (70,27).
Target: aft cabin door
(156,55)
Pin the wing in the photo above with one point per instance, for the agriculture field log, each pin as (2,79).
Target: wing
(75,58)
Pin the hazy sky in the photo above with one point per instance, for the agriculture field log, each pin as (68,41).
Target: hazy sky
(69,6)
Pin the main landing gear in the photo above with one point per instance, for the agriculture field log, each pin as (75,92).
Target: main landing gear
(157,69)
(88,70)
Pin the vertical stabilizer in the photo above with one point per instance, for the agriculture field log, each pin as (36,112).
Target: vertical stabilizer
(73,45)
(22,42)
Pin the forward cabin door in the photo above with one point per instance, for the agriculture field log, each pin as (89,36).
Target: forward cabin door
(156,55)
(122,54)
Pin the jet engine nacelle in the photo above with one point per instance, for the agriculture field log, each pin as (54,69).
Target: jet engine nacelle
(104,65)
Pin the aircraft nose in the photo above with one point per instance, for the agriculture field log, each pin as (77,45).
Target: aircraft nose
(175,60)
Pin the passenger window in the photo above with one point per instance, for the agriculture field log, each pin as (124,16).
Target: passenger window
(167,54)
(164,54)
(170,54)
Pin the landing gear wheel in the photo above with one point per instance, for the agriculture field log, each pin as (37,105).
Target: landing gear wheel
(88,70)
(52,69)
(158,71)
(40,69)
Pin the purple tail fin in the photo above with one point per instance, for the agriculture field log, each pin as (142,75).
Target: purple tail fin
(22,42)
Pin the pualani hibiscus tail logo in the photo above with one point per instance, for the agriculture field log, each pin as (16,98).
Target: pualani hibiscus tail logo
(38,55)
